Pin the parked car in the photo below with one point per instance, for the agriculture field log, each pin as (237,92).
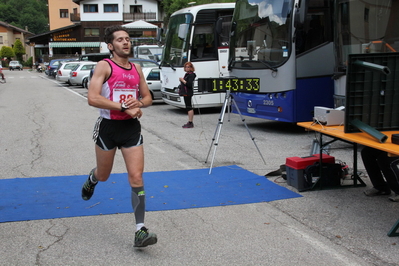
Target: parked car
(79,75)
(152,74)
(94,57)
(15,65)
(153,78)
(63,70)
(53,65)
(144,62)
(86,85)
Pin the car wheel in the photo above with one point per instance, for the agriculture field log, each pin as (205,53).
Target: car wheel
(84,83)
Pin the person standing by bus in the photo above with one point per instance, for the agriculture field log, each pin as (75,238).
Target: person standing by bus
(187,91)
(119,90)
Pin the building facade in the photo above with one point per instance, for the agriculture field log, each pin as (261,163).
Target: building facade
(9,34)
(62,13)
(85,33)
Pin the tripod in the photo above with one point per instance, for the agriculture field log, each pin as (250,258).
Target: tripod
(215,140)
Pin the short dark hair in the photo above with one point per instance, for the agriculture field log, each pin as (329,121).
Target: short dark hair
(109,32)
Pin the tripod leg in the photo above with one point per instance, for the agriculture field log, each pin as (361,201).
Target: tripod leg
(213,139)
(246,126)
(228,105)
(217,133)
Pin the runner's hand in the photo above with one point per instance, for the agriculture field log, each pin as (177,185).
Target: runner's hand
(134,112)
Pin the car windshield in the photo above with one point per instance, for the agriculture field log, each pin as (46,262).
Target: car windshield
(149,64)
(144,63)
(70,66)
(87,67)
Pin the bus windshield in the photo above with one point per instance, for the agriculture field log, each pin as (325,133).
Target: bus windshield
(261,33)
(177,42)
(375,33)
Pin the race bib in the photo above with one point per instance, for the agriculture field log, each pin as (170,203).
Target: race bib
(121,95)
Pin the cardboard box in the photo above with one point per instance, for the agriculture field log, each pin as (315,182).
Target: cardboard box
(295,169)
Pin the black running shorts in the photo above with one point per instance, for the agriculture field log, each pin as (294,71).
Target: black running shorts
(108,134)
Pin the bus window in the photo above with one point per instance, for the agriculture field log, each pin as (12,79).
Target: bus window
(316,29)
(203,43)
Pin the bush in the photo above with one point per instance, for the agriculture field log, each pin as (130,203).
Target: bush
(29,62)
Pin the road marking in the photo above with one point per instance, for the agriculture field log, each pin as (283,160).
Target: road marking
(68,89)
(318,245)
(183,165)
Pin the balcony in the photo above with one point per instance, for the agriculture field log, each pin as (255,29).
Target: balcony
(74,17)
(148,16)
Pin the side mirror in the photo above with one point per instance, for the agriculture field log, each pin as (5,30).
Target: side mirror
(218,26)
(183,31)
(233,28)
(159,34)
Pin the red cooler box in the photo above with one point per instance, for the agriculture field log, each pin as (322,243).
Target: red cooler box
(295,167)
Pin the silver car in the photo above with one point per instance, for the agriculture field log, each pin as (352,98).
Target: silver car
(15,65)
(153,78)
(63,70)
(80,74)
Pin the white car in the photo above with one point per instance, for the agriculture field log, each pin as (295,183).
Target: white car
(153,78)
(64,69)
(80,74)
(15,65)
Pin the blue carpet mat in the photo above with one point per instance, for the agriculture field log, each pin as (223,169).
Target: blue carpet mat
(25,199)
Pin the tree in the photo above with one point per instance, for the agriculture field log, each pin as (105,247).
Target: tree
(19,50)
(22,13)
(7,52)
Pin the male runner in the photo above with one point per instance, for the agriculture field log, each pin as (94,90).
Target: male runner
(119,90)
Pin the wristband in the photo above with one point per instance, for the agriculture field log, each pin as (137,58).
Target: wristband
(142,104)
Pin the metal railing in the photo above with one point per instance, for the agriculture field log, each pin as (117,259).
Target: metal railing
(74,17)
(148,16)
(139,16)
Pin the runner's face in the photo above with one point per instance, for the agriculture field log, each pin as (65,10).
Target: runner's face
(121,43)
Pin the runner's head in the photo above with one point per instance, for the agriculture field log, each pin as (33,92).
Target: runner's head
(109,36)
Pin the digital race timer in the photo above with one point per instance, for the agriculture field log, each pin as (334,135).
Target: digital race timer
(229,84)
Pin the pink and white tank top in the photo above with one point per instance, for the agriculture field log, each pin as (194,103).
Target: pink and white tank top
(122,84)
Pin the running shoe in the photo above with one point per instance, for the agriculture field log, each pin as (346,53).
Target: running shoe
(143,238)
(375,192)
(394,198)
(188,125)
(88,187)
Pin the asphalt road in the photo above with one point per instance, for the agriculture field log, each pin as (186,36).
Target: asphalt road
(46,131)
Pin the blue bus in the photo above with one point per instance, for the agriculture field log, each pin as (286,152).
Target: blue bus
(288,46)
(296,51)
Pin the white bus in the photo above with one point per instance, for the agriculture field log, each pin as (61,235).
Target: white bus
(199,34)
